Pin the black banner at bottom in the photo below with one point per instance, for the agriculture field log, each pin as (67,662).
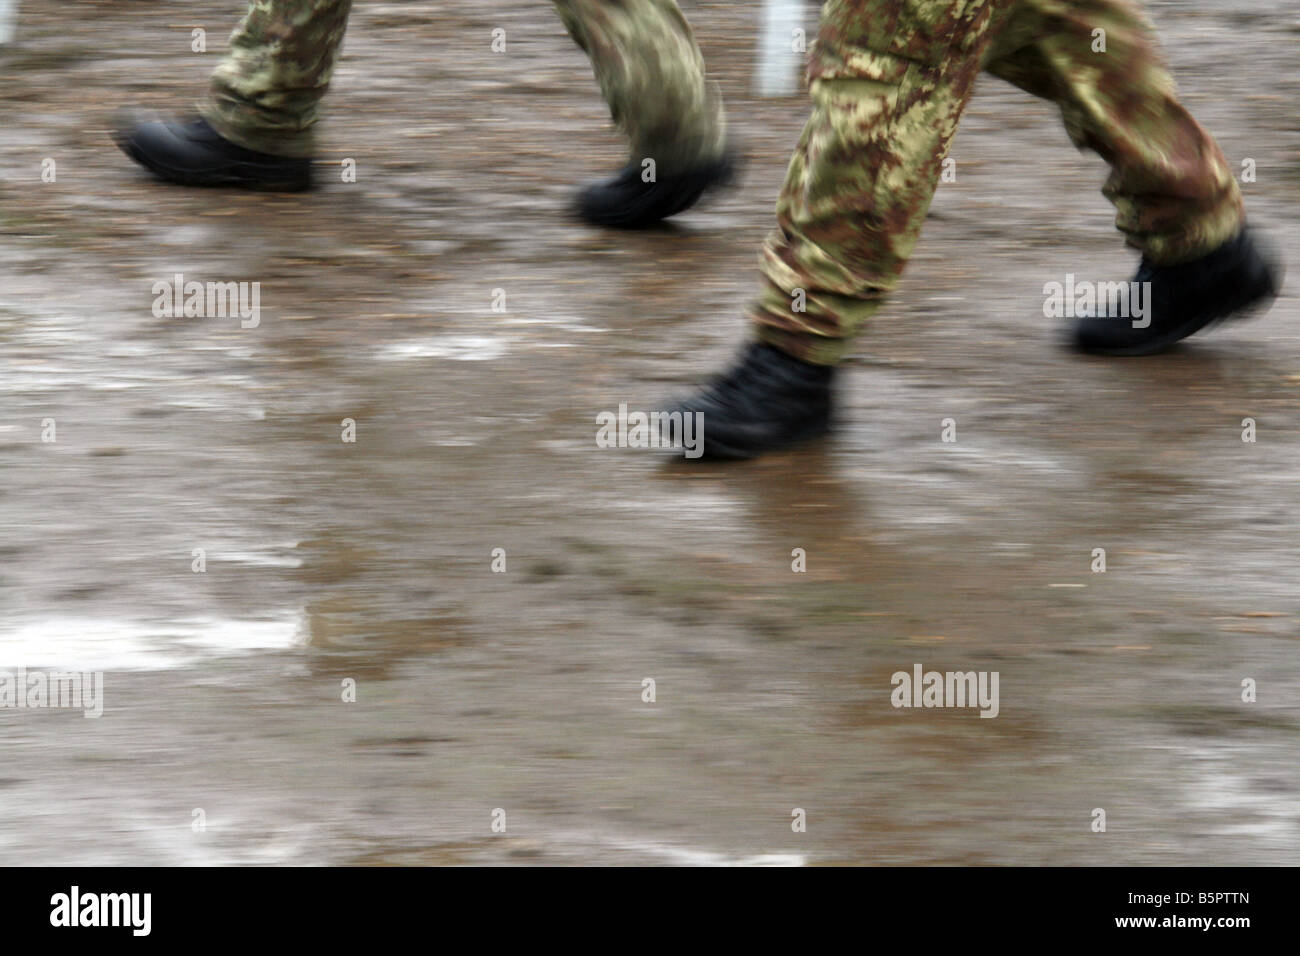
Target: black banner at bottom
(929,905)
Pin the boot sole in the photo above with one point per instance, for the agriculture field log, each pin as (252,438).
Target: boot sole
(721,451)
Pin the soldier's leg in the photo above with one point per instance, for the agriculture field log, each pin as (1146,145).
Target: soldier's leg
(265,94)
(889,80)
(255,130)
(1175,196)
(651,74)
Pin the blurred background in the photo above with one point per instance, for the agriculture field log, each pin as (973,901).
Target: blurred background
(328,562)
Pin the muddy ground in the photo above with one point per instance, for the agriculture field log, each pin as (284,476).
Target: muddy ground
(328,561)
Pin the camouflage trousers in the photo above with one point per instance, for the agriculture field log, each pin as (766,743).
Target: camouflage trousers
(266,93)
(889,80)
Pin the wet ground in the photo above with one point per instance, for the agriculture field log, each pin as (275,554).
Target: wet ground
(521,691)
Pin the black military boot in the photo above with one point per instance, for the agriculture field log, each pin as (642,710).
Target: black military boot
(629,202)
(767,401)
(1184,299)
(192,153)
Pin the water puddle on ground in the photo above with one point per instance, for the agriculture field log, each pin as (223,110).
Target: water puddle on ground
(671,854)
(99,644)
(464,348)
(1242,805)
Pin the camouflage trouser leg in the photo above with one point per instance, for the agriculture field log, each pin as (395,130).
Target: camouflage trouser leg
(651,74)
(889,80)
(266,93)
(1175,196)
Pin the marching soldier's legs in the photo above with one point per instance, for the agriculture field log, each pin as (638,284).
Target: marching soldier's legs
(1176,199)
(265,94)
(651,74)
(889,80)
(256,127)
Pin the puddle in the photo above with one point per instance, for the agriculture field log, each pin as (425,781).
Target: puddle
(97,644)
(460,348)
